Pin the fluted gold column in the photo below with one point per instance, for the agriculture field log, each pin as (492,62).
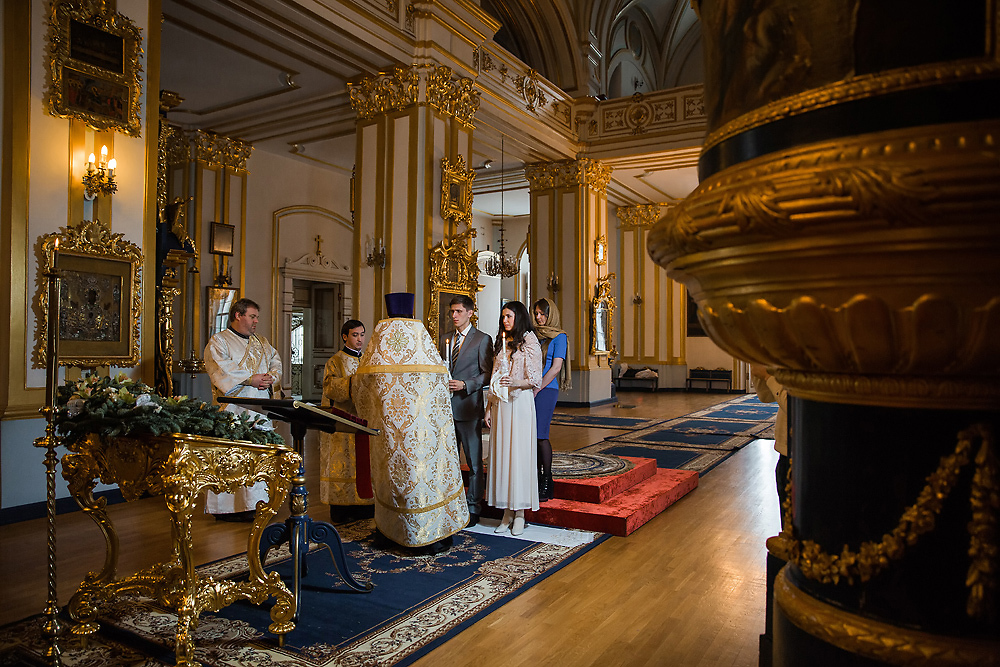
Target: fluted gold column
(569,212)
(410,120)
(844,234)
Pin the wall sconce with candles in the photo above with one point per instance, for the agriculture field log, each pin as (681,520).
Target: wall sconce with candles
(100,176)
(553,282)
(376,254)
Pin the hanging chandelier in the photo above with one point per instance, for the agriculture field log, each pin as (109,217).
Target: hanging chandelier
(501,264)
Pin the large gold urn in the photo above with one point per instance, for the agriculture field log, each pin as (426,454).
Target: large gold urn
(846,233)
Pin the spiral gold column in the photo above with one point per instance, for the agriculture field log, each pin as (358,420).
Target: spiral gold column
(846,233)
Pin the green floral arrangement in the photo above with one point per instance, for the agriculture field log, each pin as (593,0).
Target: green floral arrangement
(118,405)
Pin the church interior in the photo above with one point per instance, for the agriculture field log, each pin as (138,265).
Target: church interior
(698,185)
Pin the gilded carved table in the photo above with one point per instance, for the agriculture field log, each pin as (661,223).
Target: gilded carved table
(179,467)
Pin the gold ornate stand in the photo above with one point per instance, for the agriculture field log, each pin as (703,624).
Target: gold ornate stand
(179,467)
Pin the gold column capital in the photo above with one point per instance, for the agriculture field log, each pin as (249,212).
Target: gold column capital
(404,87)
(569,173)
(639,216)
(220,151)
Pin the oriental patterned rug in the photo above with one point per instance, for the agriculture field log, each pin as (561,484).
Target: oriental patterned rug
(418,603)
(697,441)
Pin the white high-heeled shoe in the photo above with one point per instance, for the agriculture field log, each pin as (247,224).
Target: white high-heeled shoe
(508,516)
(518,526)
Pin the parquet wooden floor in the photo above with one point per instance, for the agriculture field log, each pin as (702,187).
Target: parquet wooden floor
(686,589)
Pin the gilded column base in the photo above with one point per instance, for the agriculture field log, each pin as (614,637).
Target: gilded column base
(813,633)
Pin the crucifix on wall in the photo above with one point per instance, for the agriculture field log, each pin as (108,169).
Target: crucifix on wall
(319,245)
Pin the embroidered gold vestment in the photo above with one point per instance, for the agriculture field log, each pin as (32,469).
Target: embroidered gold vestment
(401,388)
(338,483)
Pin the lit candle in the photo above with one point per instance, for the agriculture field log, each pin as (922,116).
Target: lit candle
(447,351)
(104,155)
(112,163)
(90,160)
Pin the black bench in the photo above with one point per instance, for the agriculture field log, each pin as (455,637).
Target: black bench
(628,380)
(710,377)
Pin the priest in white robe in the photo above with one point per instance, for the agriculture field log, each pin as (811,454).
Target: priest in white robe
(241,363)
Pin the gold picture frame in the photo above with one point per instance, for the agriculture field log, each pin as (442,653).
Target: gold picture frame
(100,297)
(456,190)
(94,71)
(602,319)
(454,272)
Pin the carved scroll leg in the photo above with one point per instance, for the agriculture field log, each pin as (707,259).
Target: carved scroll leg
(278,484)
(81,472)
(184,594)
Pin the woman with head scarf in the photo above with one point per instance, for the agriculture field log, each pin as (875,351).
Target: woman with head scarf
(555,376)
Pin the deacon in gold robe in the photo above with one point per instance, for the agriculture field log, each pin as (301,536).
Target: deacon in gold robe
(338,483)
(401,388)
(241,363)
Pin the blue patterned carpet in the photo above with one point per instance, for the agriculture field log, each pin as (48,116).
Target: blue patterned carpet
(697,441)
(417,604)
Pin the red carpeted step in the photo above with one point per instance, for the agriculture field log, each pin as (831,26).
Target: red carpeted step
(601,489)
(624,513)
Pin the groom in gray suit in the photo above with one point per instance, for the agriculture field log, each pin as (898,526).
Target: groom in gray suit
(471,365)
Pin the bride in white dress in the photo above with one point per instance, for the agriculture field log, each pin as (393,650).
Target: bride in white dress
(517,371)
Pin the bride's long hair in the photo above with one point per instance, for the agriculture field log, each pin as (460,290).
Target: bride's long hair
(522,325)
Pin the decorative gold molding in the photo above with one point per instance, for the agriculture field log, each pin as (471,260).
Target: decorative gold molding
(901,178)
(855,88)
(385,92)
(602,314)
(482,61)
(456,191)
(640,216)
(220,151)
(91,239)
(456,97)
(568,173)
(889,644)
(454,270)
(529,90)
(857,350)
(106,79)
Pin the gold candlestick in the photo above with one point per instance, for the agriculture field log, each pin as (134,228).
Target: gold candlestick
(51,628)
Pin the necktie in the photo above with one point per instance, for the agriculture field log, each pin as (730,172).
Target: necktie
(455,347)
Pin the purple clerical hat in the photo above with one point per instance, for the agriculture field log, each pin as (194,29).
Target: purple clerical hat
(400,304)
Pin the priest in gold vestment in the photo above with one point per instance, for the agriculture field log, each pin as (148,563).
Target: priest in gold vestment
(240,363)
(338,483)
(401,388)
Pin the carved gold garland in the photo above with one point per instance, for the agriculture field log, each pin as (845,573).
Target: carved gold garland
(568,173)
(873,558)
(889,644)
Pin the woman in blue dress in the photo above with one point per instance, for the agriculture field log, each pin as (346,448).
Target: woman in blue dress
(555,376)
